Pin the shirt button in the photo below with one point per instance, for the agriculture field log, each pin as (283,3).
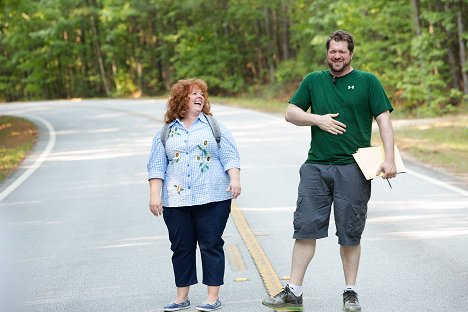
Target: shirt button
(189,187)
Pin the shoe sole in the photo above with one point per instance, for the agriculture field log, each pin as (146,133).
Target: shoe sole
(287,307)
(176,309)
(207,310)
(351,309)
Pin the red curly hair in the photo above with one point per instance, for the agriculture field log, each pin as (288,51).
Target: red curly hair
(177,105)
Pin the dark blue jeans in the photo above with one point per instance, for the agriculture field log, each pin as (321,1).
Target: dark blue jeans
(202,224)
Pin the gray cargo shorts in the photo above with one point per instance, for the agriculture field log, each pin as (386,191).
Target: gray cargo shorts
(320,186)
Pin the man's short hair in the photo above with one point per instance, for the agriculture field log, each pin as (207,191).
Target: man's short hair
(341,35)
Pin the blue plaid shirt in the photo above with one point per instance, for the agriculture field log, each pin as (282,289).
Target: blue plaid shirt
(193,167)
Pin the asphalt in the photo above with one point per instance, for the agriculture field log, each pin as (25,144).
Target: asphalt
(78,236)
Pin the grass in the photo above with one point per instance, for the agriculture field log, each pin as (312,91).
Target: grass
(260,104)
(442,143)
(17,137)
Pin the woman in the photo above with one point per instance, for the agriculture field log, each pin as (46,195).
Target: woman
(192,181)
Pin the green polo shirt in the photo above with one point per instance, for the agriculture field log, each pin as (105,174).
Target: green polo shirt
(358,97)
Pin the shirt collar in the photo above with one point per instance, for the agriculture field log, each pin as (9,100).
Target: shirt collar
(200,117)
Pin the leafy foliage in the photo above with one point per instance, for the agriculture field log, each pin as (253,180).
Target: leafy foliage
(87,48)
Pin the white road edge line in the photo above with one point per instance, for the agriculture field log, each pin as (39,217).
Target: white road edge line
(439,183)
(37,163)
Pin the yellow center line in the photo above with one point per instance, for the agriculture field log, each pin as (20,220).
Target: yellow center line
(267,273)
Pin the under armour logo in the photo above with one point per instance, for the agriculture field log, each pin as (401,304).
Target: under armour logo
(351,87)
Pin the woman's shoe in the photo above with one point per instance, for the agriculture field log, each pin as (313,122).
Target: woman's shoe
(209,307)
(177,306)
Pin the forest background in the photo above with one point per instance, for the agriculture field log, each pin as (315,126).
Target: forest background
(55,49)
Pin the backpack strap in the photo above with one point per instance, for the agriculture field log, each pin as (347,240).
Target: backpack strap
(214,128)
(164,134)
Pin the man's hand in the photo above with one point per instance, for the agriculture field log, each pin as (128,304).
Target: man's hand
(388,169)
(329,124)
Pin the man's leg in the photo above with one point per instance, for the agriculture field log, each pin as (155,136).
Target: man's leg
(303,252)
(352,193)
(311,220)
(350,256)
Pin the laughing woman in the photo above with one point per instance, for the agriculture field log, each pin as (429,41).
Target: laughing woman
(192,182)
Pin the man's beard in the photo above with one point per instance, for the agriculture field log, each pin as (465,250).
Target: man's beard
(340,69)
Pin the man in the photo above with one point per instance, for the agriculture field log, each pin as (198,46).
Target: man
(343,102)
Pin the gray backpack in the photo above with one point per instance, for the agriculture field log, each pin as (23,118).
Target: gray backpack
(211,121)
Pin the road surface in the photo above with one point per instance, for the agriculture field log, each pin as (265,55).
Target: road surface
(77,235)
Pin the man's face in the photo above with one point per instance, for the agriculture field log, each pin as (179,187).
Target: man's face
(339,57)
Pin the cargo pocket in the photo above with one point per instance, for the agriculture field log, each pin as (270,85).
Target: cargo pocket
(357,220)
(298,219)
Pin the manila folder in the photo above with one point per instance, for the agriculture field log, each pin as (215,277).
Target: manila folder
(369,160)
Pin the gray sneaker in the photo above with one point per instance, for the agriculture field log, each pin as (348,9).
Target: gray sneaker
(350,301)
(285,299)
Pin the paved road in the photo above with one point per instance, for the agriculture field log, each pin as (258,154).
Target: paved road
(75,226)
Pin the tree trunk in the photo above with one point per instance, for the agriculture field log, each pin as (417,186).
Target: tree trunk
(271,54)
(452,47)
(417,24)
(417,20)
(461,44)
(285,33)
(259,50)
(97,47)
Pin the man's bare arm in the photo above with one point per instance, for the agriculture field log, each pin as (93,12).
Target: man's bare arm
(328,123)
(388,167)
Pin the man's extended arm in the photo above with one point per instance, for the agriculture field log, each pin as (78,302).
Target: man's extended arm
(298,117)
(388,167)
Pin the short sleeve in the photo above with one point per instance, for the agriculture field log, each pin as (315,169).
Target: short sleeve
(378,99)
(157,163)
(302,97)
(228,153)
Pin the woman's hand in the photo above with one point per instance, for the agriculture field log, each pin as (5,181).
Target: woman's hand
(155,203)
(234,186)
(156,207)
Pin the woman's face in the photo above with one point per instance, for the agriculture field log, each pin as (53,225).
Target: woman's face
(196,100)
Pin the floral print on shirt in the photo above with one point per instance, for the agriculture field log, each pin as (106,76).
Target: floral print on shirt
(178,188)
(174,132)
(175,159)
(204,157)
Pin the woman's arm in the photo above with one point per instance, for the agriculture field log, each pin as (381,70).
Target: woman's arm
(155,203)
